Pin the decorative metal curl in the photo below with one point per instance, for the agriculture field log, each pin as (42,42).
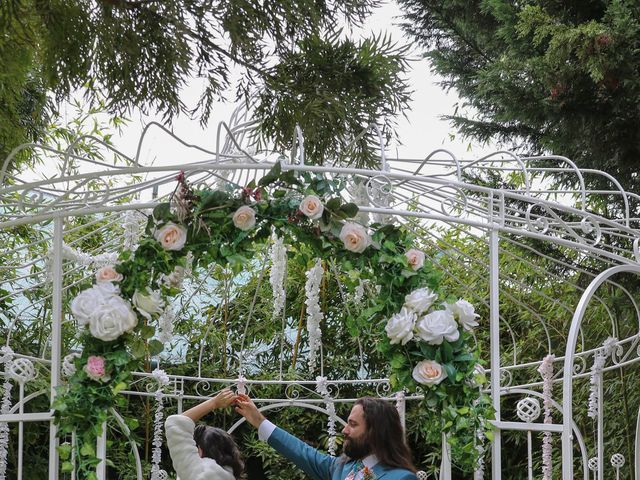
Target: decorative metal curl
(455,205)
(579,365)
(379,190)
(506,378)
(540,224)
(203,388)
(383,389)
(589,226)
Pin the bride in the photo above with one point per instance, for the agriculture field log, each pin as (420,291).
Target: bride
(200,452)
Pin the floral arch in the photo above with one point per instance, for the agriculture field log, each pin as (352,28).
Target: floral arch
(523,255)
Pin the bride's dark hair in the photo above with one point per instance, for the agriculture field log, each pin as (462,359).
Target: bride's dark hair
(218,445)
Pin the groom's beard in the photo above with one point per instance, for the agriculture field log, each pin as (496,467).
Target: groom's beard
(356,448)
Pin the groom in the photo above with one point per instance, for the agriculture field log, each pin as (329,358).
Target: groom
(374,446)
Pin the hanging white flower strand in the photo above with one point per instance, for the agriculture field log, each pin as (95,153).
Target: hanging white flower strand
(314,313)
(156,454)
(165,325)
(595,379)
(131,226)
(546,370)
(323,390)
(278,273)
(6,357)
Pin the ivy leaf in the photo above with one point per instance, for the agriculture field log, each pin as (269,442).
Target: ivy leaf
(349,209)
(155,347)
(137,348)
(162,212)
(87,450)
(64,451)
(67,467)
(147,331)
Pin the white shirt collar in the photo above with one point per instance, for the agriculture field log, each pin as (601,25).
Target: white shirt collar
(370,461)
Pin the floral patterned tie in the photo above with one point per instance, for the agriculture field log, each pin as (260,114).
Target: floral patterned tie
(354,470)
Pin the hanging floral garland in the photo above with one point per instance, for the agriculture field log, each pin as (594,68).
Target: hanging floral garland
(122,315)
(6,357)
(546,371)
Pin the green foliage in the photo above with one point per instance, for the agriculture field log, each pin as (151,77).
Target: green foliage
(334,89)
(543,76)
(141,54)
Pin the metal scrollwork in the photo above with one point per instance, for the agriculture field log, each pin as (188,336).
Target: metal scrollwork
(579,365)
(203,388)
(383,389)
(506,378)
(379,190)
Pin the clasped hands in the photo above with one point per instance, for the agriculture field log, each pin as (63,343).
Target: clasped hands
(242,403)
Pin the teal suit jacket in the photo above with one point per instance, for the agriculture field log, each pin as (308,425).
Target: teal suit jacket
(325,467)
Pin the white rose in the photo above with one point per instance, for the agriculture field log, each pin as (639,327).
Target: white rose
(108,274)
(415,258)
(90,300)
(429,372)
(148,305)
(114,317)
(354,237)
(312,207)
(244,218)
(399,328)
(438,326)
(171,236)
(465,312)
(420,300)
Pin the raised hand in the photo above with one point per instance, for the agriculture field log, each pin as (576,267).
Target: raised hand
(248,409)
(223,399)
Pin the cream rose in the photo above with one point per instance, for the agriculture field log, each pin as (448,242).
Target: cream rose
(312,207)
(465,312)
(420,300)
(171,236)
(148,305)
(108,274)
(113,318)
(438,326)
(354,237)
(399,328)
(90,300)
(415,258)
(244,218)
(429,372)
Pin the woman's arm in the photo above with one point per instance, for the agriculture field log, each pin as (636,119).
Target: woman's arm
(222,400)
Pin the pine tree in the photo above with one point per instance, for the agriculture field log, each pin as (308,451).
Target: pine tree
(542,75)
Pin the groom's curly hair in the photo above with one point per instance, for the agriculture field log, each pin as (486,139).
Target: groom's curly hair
(384,433)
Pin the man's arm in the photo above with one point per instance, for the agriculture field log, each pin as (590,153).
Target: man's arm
(314,463)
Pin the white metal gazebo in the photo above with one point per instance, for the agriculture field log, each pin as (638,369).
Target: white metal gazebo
(594,257)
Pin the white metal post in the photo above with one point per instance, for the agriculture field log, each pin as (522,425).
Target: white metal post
(20,429)
(600,425)
(56,338)
(101,453)
(494,284)
(445,464)
(529,455)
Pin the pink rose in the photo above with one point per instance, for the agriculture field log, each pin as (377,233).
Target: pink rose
(354,237)
(95,367)
(312,207)
(171,236)
(244,218)
(108,274)
(415,258)
(429,372)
